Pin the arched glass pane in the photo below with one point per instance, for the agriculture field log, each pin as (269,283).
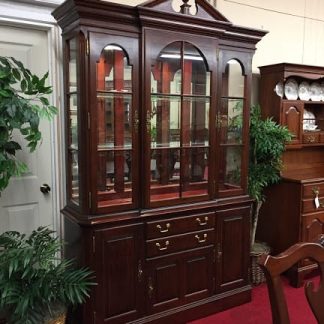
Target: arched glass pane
(195,72)
(113,71)
(230,118)
(233,80)
(114,119)
(166,71)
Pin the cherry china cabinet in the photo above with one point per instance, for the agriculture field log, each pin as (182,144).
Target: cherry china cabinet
(293,211)
(157,105)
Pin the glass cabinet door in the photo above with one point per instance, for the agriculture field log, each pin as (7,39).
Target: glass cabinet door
(230,125)
(178,123)
(114,91)
(73,187)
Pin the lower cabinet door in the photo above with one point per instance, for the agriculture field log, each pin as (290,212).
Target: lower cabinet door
(119,273)
(177,279)
(232,248)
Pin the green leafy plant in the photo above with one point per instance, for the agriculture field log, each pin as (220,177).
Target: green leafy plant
(33,281)
(267,143)
(23,103)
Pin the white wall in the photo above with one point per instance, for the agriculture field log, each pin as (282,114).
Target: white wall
(296,28)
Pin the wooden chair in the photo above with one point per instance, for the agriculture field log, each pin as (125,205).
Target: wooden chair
(274,266)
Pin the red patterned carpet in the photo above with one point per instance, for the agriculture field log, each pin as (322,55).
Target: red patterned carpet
(258,310)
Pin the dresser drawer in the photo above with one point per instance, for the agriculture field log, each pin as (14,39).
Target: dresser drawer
(310,190)
(179,225)
(310,207)
(180,242)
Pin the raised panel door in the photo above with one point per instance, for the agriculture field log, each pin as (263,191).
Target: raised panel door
(23,207)
(119,273)
(198,275)
(178,279)
(292,117)
(163,283)
(233,233)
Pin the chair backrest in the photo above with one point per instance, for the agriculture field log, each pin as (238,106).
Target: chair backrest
(274,266)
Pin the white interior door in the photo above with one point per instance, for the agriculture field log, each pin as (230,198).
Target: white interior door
(23,207)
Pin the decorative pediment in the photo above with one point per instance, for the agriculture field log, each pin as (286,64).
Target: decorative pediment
(199,8)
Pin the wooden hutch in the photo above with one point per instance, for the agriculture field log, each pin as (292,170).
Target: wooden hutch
(157,105)
(294,209)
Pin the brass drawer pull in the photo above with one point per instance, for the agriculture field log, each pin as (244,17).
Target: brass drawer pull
(167,226)
(203,240)
(317,202)
(202,223)
(166,244)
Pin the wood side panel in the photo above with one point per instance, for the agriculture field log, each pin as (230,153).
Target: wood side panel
(279,219)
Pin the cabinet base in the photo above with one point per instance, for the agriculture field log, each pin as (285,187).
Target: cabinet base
(202,308)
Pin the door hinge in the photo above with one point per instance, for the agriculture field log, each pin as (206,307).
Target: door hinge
(89,120)
(93,244)
(87,47)
(217,54)
(214,255)
(89,197)
(94,318)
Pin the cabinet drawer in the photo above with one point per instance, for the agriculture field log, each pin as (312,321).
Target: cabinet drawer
(309,190)
(309,205)
(179,225)
(181,242)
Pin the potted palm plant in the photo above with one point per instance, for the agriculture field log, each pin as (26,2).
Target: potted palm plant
(35,285)
(267,143)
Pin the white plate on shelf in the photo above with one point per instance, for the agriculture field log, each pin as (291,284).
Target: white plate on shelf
(279,89)
(322,91)
(291,89)
(304,91)
(315,90)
